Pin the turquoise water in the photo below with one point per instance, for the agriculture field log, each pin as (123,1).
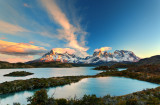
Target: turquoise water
(121,69)
(101,86)
(48,72)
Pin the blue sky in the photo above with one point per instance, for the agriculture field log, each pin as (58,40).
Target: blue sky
(83,25)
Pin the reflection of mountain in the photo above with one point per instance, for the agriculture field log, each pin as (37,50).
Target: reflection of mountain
(97,57)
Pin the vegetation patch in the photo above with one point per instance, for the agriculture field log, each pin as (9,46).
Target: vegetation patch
(19,73)
(145,97)
(57,64)
(152,69)
(7,65)
(50,64)
(36,83)
(123,65)
(105,68)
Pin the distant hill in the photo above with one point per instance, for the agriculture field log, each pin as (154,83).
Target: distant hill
(7,65)
(152,60)
(57,64)
(50,64)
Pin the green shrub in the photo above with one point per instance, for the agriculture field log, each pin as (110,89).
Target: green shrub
(90,100)
(16,104)
(131,102)
(39,98)
(122,102)
(61,101)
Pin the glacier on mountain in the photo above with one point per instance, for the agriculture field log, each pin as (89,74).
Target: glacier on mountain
(97,57)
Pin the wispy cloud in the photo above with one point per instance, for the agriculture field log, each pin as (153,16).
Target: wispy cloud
(64,50)
(26,5)
(10,28)
(31,42)
(12,48)
(41,43)
(47,34)
(68,31)
(1,38)
(103,49)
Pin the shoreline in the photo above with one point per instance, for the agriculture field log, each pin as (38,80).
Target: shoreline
(38,83)
(65,80)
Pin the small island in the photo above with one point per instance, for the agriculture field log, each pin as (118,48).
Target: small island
(18,73)
(105,68)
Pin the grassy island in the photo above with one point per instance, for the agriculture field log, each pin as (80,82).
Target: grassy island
(105,68)
(36,83)
(18,73)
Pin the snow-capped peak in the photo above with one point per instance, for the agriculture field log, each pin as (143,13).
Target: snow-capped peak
(98,56)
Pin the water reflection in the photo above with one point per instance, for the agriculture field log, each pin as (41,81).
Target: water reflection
(48,72)
(102,86)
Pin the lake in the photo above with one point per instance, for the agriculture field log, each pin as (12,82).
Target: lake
(48,72)
(115,86)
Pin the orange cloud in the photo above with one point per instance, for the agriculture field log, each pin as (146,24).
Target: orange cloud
(64,50)
(31,42)
(3,38)
(12,48)
(26,5)
(10,28)
(14,59)
(68,31)
(103,49)
(42,43)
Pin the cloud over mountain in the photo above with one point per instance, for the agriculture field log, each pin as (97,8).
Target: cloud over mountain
(103,49)
(68,31)
(64,50)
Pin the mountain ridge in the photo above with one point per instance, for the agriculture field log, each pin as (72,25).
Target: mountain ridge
(98,57)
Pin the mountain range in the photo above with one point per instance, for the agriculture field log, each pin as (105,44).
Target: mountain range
(98,57)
